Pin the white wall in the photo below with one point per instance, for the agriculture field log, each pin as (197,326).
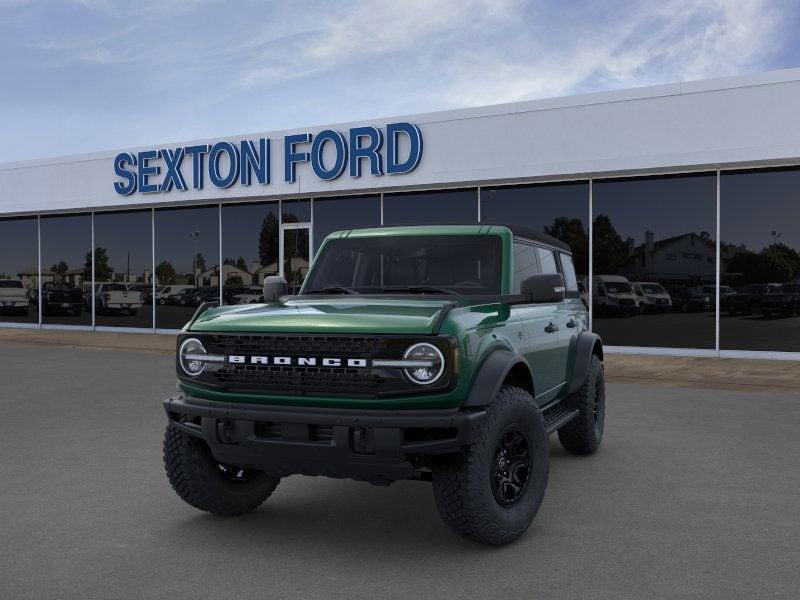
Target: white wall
(728,122)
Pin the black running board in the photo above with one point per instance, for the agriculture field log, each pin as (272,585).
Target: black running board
(557,417)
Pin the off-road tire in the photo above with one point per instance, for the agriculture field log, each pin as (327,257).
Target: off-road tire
(198,479)
(583,434)
(462,483)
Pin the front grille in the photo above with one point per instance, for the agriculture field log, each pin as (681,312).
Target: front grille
(626,302)
(302,380)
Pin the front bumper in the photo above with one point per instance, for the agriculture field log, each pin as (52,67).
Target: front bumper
(368,445)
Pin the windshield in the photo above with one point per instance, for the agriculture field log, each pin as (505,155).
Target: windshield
(616,287)
(652,288)
(10,283)
(427,264)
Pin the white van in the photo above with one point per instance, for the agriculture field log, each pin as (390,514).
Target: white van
(613,295)
(651,297)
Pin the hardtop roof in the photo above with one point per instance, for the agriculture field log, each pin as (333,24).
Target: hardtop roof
(517,231)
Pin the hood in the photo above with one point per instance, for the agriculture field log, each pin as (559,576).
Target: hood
(327,315)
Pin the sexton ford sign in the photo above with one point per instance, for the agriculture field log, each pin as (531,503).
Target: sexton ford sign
(224,164)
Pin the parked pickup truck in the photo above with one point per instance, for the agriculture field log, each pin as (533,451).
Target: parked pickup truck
(115,298)
(14,298)
(445,354)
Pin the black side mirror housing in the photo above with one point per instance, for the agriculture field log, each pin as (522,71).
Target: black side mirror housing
(544,288)
(275,286)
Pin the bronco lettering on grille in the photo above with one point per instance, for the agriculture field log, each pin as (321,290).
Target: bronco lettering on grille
(302,361)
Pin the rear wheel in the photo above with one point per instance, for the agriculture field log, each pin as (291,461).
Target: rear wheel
(205,483)
(584,433)
(491,491)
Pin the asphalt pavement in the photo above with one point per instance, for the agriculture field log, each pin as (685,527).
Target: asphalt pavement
(694,494)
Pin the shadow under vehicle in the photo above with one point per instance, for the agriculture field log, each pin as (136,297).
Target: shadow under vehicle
(62,298)
(785,301)
(408,353)
(652,297)
(689,299)
(14,298)
(747,301)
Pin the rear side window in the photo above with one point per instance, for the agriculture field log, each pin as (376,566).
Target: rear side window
(526,263)
(547,260)
(570,280)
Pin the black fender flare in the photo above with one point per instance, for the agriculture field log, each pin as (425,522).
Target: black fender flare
(587,345)
(491,375)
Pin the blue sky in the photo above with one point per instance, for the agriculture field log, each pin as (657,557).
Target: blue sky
(88,75)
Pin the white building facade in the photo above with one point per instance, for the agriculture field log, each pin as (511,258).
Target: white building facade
(639,182)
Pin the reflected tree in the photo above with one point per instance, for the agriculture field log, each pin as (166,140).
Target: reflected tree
(268,241)
(574,234)
(610,250)
(102,270)
(165,273)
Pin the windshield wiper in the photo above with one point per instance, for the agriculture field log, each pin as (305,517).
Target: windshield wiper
(418,289)
(332,289)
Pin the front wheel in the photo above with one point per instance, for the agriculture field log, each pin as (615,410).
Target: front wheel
(491,491)
(203,482)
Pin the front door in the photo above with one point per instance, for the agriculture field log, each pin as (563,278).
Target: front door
(295,253)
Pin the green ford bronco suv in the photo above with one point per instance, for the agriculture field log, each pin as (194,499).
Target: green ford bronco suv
(438,353)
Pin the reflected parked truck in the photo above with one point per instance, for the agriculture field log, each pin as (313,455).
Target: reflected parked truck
(114,298)
(14,298)
(785,301)
(613,295)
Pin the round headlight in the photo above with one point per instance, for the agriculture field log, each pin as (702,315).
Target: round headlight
(427,353)
(191,367)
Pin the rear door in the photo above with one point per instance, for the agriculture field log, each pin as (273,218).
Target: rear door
(540,326)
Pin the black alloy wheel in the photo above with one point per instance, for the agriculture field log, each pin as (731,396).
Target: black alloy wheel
(511,466)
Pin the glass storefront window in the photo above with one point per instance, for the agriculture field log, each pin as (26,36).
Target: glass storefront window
(296,210)
(352,212)
(123,266)
(19,270)
(557,209)
(760,260)
(66,269)
(654,261)
(187,257)
(439,207)
(250,242)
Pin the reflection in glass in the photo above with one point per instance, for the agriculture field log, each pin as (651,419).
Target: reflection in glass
(250,241)
(557,209)
(66,269)
(187,262)
(420,208)
(295,257)
(123,265)
(760,260)
(654,258)
(19,270)
(354,212)
(296,210)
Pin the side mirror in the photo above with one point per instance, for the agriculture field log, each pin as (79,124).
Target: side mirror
(544,288)
(275,286)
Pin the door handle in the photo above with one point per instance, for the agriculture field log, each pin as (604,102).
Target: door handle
(571,323)
(551,328)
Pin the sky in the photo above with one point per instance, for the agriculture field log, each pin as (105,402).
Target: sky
(89,75)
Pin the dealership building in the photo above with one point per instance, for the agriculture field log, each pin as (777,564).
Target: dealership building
(680,201)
